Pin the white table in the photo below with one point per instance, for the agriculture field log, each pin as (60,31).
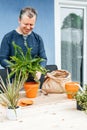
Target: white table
(51,112)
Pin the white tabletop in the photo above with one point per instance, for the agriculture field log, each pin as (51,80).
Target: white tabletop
(54,112)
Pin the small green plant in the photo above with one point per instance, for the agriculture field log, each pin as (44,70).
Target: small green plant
(9,95)
(24,63)
(81,98)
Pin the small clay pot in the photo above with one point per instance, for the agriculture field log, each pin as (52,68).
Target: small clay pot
(71,89)
(31,89)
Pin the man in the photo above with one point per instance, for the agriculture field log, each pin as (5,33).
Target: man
(21,35)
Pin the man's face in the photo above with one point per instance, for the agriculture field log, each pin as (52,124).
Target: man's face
(26,24)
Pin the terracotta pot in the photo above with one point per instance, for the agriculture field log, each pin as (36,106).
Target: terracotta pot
(31,89)
(71,89)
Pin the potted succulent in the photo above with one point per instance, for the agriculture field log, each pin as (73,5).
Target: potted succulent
(81,99)
(9,95)
(25,64)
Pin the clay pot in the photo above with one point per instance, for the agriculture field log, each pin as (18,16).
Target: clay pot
(71,89)
(31,89)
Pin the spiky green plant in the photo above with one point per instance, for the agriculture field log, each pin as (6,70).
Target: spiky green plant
(10,90)
(25,63)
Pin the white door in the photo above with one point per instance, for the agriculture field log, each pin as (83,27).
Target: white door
(70,38)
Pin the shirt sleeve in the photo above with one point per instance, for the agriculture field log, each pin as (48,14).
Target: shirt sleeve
(4,52)
(42,52)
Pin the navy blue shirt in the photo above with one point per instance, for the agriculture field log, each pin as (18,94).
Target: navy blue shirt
(33,40)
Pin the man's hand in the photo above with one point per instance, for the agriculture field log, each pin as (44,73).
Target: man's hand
(38,75)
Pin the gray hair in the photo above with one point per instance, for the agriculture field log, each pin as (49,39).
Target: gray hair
(30,12)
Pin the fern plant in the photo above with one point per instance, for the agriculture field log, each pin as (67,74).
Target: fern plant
(24,63)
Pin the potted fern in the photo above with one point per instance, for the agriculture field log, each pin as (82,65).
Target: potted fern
(9,95)
(25,64)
